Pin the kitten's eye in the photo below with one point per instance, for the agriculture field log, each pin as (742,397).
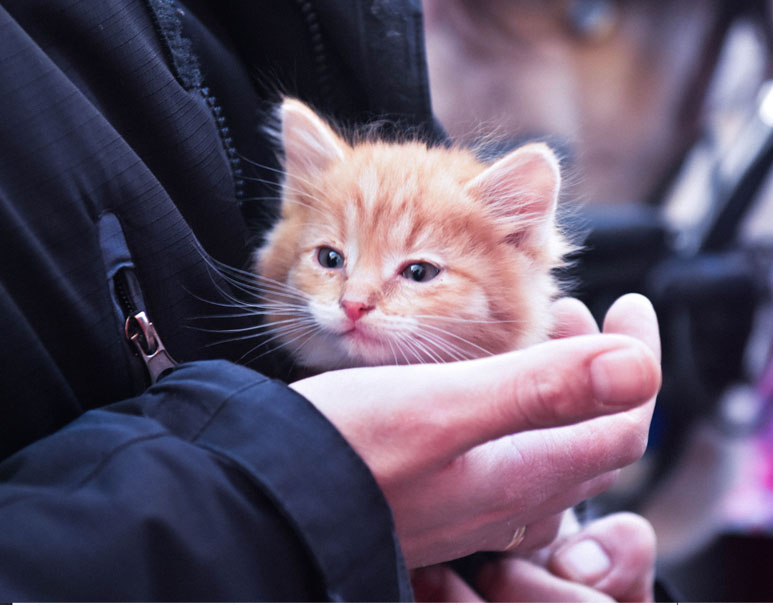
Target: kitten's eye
(420,272)
(329,258)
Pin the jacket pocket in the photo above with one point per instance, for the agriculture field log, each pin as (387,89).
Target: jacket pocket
(150,359)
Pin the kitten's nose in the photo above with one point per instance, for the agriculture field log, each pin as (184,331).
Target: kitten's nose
(355,309)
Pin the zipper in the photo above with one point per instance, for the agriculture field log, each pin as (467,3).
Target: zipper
(318,47)
(138,329)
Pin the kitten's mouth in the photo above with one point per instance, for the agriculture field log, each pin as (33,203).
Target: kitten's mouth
(357,334)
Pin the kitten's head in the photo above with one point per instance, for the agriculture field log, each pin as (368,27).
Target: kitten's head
(399,253)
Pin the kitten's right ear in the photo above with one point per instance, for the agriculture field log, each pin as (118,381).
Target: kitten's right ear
(310,145)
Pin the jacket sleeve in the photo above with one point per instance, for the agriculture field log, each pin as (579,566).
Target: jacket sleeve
(216,484)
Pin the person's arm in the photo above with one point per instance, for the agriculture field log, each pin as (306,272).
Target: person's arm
(216,484)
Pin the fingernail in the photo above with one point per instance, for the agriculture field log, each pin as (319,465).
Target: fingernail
(584,562)
(620,377)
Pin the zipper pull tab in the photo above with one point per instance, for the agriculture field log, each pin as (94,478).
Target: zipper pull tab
(140,331)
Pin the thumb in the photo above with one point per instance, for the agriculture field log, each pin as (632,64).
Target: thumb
(553,384)
(430,414)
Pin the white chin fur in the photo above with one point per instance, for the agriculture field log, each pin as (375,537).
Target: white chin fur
(332,352)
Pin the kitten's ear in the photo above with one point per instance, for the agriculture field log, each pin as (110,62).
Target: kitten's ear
(309,144)
(521,190)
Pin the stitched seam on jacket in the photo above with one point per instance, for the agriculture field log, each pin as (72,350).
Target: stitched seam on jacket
(182,57)
(222,405)
(179,50)
(94,472)
(105,460)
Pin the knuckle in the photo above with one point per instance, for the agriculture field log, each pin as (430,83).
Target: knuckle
(540,397)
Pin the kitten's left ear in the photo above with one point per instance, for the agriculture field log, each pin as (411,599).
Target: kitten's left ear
(521,190)
(310,145)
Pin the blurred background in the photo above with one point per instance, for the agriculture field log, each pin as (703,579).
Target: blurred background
(662,111)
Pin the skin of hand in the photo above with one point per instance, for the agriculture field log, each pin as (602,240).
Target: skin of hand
(467,452)
(610,559)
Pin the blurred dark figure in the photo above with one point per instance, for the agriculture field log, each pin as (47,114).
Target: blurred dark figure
(620,83)
(663,111)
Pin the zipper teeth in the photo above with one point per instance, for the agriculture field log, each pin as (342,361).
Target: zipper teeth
(318,47)
(227,141)
(124,299)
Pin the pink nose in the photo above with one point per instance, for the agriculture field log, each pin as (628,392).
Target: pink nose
(354,309)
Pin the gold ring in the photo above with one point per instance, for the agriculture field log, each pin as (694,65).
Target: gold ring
(518,536)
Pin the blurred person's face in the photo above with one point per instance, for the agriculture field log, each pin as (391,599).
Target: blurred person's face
(614,89)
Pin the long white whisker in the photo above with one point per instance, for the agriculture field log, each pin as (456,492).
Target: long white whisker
(297,348)
(254,328)
(284,187)
(411,348)
(282,173)
(451,334)
(262,198)
(441,344)
(396,348)
(466,320)
(392,348)
(277,334)
(252,309)
(273,297)
(442,341)
(249,308)
(309,330)
(260,281)
(255,287)
(428,349)
(261,331)
(248,278)
(259,165)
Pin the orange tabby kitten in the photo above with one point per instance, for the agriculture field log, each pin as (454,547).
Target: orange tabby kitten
(390,253)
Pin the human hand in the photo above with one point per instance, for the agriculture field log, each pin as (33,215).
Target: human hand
(610,559)
(454,449)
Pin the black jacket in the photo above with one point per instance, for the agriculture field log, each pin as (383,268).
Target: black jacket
(132,150)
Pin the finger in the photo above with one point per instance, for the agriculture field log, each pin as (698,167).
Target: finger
(505,496)
(572,318)
(535,536)
(634,315)
(440,584)
(542,520)
(615,554)
(509,580)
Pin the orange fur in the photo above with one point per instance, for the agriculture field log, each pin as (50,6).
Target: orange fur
(489,229)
